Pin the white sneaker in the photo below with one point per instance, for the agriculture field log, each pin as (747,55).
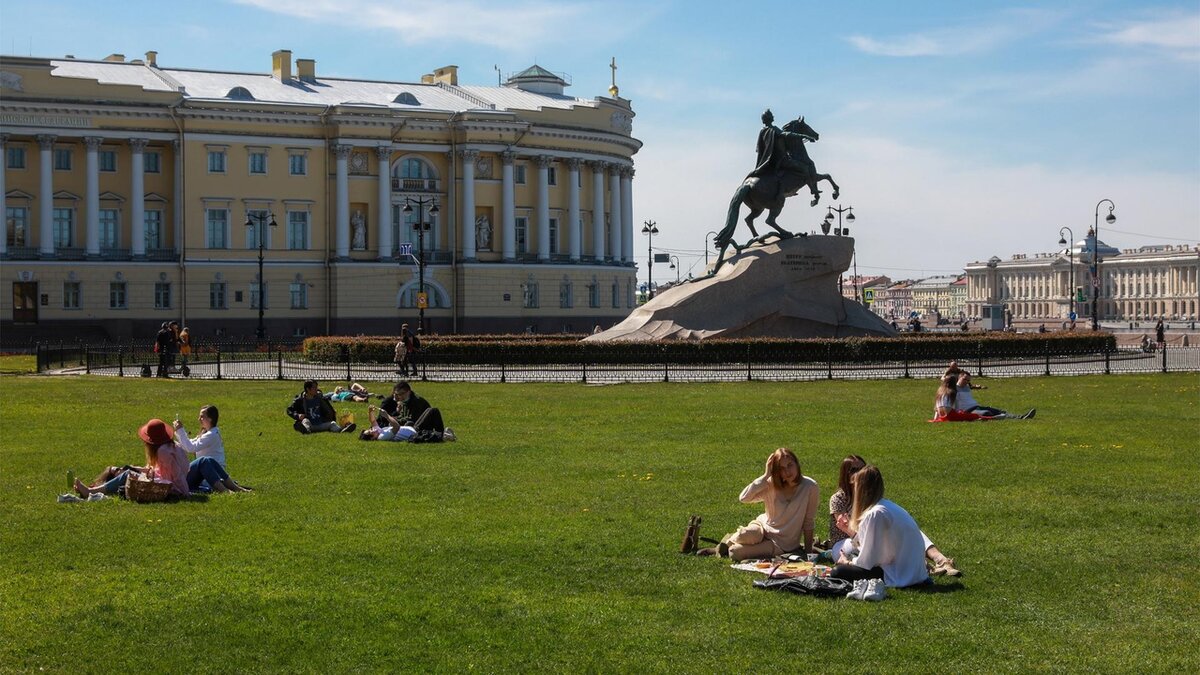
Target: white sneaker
(448,435)
(856,592)
(96,496)
(68,499)
(876,590)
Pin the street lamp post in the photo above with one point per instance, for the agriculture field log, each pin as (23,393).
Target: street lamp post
(258,220)
(650,228)
(421,227)
(1069,240)
(1110,219)
(707,239)
(843,231)
(675,266)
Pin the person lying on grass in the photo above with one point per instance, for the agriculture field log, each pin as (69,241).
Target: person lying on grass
(207,445)
(790,502)
(356,394)
(840,505)
(887,544)
(405,405)
(393,431)
(965,401)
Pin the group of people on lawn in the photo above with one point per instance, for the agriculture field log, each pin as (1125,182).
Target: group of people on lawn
(954,401)
(402,416)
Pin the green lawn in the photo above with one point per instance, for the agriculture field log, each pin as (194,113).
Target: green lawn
(545,539)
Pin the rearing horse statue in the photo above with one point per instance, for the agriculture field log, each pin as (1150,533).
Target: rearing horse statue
(784,168)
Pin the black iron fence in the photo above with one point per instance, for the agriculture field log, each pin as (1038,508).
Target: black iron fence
(640,363)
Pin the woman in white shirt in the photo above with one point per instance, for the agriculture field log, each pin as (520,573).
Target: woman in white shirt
(209,466)
(790,502)
(889,544)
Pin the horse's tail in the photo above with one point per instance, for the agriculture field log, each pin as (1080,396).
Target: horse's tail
(731,219)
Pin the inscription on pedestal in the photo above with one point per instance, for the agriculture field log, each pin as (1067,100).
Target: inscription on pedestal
(804,262)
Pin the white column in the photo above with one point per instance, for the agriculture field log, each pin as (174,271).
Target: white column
(598,170)
(614,207)
(92,202)
(468,204)
(137,213)
(177,200)
(627,213)
(342,235)
(46,195)
(3,199)
(383,240)
(508,206)
(543,205)
(575,228)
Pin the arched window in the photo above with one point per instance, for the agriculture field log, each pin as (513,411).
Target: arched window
(240,94)
(407,297)
(405,98)
(414,167)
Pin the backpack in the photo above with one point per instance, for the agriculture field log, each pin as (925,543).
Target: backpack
(821,587)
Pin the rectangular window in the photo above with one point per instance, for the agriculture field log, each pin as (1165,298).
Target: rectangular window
(162,295)
(216,295)
(519,174)
(153,230)
(152,162)
(71,294)
(15,157)
(116,295)
(552,176)
(16,219)
(616,295)
(593,295)
(553,236)
(64,228)
(216,161)
(255,293)
(522,230)
(529,295)
(258,163)
(299,292)
(298,230)
(62,159)
(108,161)
(564,295)
(215,228)
(110,228)
(298,164)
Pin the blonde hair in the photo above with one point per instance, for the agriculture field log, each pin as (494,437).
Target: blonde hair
(868,490)
(776,474)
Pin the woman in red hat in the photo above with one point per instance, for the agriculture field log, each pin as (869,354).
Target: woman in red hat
(165,461)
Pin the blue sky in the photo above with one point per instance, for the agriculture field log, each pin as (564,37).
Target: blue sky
(957,130)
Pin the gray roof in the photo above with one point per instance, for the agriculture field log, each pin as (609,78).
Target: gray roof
(203,85)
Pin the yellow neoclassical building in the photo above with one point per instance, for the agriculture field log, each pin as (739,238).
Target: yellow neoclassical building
(136,193)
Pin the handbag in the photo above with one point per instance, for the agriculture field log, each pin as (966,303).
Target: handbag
(821,587)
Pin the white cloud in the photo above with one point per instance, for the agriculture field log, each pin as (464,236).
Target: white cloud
(1175,36)
(989,34)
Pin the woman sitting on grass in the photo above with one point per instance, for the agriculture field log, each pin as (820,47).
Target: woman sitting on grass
(944,409)
(840,507)
(208,469)
(165,461)
(889,544)
(790,501)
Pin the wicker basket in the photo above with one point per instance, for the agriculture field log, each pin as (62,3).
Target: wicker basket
(142,490)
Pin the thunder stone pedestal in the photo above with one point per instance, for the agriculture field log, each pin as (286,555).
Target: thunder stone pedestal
(787,288)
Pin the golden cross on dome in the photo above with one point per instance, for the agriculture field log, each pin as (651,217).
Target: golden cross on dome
(613,90)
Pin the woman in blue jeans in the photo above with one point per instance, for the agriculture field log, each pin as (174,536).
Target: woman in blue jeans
(208,467)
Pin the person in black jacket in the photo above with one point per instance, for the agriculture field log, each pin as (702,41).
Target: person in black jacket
(312,412)
(410,409)
(163,342)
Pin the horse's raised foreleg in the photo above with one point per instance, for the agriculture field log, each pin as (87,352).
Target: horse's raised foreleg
(824,176)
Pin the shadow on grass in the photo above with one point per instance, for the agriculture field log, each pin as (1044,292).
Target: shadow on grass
(934,587)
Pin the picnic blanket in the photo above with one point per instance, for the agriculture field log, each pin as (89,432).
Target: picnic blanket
(783,569)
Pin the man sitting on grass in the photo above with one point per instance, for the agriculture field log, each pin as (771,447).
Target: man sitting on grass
(313,412)
(410,410)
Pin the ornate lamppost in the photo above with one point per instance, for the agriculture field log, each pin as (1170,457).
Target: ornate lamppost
(842,231)
(650,228)
(710,236)
(259,221)
(1110,219)
(675,266)
(421,227)
(1069,240)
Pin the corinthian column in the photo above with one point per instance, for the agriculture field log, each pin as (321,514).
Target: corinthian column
(137,212)
(383,240)
(508,206)
(575,228)
(543,205)
(598,170)
(92,203)
(46,195)
(614,206)
(342,237)
(468,217)
(627,213)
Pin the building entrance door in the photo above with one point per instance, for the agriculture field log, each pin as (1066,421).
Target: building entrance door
(25,295)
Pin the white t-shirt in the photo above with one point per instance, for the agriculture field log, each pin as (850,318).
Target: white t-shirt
(207,444)
(965,400)
(401,434)
(889,537)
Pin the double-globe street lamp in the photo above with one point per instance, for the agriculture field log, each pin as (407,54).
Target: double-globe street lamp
(1110,219)
(260,221)
(1067,237)
(421,227)
(650,228)
(843,231)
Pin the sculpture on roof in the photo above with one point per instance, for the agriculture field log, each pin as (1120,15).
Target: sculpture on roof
(783,167)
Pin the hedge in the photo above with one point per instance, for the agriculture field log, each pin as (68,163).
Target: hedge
(543,349)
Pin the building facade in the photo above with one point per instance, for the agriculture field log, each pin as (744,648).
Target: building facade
(1134,285)
(134,194)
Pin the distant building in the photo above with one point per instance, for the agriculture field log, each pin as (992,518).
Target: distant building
(863,284)
(933,299)
(894,301)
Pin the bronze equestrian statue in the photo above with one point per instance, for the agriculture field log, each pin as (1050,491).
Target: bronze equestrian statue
(783,168)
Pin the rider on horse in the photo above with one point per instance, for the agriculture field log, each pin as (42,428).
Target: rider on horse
(773,158)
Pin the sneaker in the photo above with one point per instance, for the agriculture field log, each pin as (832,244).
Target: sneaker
(97,496)
(856,591)
(348,428)
(69,499)
(947,568)
(1029,415)
(875,590)
(707,552)
(448,435)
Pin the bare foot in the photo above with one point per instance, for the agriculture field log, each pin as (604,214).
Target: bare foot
(82,489)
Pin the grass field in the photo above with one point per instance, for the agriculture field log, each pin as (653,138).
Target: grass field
(545,538)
